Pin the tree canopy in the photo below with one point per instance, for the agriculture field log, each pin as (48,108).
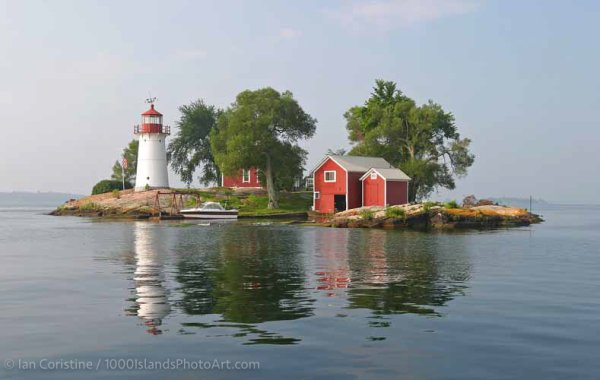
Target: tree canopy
(130,152)
(190,149)
(423,140)
(261,129)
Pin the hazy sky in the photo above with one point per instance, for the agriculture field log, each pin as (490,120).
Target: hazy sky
(521,78)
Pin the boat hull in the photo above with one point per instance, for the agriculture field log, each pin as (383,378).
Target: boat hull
(209,214)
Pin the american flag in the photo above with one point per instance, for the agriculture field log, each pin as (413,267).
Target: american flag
(125,163)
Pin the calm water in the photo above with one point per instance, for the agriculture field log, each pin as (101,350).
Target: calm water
(304,302)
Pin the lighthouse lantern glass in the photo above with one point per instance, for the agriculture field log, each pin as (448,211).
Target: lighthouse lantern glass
(151,120)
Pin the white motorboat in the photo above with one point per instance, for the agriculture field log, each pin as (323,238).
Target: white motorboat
(210,210)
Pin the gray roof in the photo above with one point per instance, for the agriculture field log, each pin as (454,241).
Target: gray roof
(360,163)
(390,174)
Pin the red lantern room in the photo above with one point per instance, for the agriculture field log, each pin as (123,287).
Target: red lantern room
(152,123)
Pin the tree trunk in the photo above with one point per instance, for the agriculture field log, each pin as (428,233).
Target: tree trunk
(271,191)
(412,193)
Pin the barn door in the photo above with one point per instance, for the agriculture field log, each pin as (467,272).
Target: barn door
(339,202)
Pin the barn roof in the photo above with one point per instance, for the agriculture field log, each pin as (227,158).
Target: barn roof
(392,174)
(356,163)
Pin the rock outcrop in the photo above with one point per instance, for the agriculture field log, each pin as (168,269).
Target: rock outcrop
(428,215)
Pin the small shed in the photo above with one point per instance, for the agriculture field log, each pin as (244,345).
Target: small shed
(336,181)
(384,187)
(244,178)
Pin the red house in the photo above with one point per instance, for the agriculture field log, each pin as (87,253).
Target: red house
(245,178)
(382,187)
(338,185)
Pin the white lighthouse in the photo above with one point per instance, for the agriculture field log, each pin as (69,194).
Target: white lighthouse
(152,154)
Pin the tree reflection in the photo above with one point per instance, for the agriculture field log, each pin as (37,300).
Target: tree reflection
(246,275)
(394,273)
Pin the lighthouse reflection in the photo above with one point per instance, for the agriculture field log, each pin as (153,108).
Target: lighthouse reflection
(151,296)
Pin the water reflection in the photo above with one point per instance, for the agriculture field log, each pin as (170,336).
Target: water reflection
(395,273)
(245,275)
(331,251)
(232,280)
(151,296)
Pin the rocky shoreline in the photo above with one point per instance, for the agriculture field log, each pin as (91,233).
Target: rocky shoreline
(128,204)
(124,204)
(422,216)
(426,216)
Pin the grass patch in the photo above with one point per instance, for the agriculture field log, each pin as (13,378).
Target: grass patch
(428,205)
(90,206)
(366,214)
(395,212)
(289,202)
(252,204)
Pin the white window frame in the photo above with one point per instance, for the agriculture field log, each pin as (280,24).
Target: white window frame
(317,195)
(325,175)
(245,175)
(373,175)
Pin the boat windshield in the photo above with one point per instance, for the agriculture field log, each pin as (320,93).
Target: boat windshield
(212,206)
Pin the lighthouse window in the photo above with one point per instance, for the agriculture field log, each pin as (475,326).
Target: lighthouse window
(151,120)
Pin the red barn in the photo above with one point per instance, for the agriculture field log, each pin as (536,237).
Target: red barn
(245,178)
(383,187)
(337,181)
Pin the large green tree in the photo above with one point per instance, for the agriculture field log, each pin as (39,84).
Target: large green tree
(190,149)
(422,140)
(262,129)
(130,152)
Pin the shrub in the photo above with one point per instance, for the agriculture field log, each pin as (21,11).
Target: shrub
(395,212)
(228,192)
(451,204)
(108,185)
(428,205)
(192,202)
(116,194)
(231,203)
(90,206)
(252,201)
(366,214)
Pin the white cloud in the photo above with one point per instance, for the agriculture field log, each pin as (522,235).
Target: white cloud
(289,33)
(390,14)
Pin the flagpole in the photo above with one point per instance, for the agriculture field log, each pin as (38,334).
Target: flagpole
(123,174)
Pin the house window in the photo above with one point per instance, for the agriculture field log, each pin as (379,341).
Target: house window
(317,195)
(330,176)
(373,175)
(245,175)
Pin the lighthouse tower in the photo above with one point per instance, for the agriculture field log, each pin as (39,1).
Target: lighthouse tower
(152,154)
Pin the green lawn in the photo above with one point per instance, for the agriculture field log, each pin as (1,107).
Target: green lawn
(288,203)
(249,205)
